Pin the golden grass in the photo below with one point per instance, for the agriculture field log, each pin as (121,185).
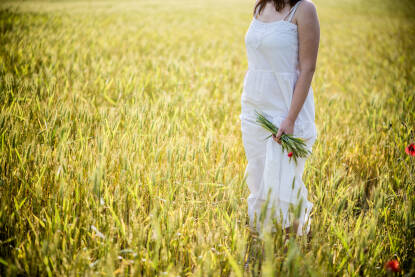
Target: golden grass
(121,151)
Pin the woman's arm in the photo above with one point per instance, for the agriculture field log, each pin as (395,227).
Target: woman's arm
(308,40)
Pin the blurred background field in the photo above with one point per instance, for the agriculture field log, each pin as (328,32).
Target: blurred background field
(121,151)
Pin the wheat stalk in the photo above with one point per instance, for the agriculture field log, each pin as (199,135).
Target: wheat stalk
(288,142)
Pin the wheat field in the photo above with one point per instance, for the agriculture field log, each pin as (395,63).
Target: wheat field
(121,150)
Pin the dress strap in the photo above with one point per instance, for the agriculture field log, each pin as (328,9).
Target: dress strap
(292,11)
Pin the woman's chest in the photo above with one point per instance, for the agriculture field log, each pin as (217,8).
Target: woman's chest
(275,36)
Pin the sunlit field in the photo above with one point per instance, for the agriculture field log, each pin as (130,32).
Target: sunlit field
(121,150)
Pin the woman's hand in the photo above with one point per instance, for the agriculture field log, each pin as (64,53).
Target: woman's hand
(287,127)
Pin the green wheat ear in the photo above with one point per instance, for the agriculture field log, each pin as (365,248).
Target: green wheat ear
(289,143)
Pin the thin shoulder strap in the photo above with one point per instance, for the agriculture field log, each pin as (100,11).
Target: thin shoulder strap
(292,11)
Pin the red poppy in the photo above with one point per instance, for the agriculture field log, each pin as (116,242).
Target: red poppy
(410,149)
(290,154)
(392,265)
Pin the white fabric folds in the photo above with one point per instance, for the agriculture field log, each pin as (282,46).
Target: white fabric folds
(271,173)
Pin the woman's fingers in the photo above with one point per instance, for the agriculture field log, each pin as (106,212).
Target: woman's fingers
(274,137)
(279,133)
(277,137)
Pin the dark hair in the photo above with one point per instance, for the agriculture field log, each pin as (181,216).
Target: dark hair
(278,4)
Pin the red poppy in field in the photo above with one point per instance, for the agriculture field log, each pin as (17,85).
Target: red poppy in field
(392,265)
(410,149)
(290,154)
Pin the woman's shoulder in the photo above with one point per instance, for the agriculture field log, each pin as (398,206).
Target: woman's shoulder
(306,13)
(306,7)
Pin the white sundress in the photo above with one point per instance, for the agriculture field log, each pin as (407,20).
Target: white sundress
(272,51)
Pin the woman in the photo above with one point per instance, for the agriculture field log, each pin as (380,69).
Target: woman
(282,44)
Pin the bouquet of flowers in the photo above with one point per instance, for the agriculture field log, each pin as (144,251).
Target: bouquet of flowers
(295,146)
